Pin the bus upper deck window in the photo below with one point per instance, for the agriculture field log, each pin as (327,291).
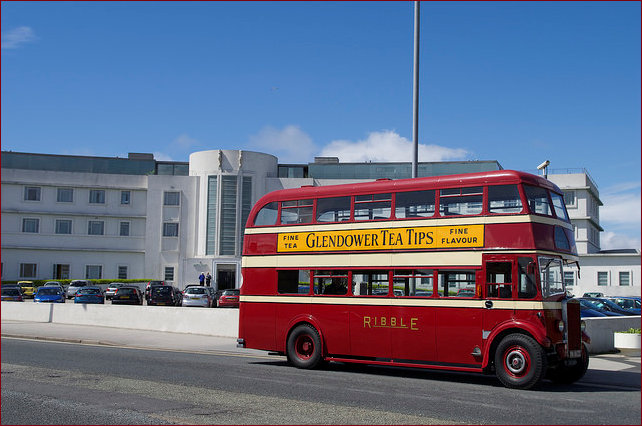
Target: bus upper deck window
(267,215)
(415,204)
(336,209)
(538,201)
(372,206)
(558,204)
(296,211)
(504,199)
(460,201)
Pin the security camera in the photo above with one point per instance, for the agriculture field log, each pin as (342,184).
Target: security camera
(543,165)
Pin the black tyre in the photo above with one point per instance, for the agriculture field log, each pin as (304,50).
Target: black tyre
(520,362)
(304,347)
(566,374)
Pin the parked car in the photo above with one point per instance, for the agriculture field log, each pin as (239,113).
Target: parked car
(165,295)
(229,298)
(76,285)
(631,304)
(586,312)
(198,296)
(598,305)
(614,307)
(49,294)
(111,289)
(55,284)
(466,292)
(11,294)
(27,288)
(593,294)
(149,285)
(127,295)
(89,295)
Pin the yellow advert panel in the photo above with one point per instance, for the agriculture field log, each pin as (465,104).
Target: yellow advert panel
(425,237)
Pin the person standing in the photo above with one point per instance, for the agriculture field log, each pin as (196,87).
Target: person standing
(201,278)
(208,279)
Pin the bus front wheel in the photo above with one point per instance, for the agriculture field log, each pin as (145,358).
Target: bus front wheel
(520,362)
(566,374)
(304,347)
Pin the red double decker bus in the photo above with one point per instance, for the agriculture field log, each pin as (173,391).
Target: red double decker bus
(460,272)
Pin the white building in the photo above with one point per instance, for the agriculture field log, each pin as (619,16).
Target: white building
(611,272)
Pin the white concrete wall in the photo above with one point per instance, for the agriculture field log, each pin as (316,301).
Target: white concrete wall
(211,322)
(600,330)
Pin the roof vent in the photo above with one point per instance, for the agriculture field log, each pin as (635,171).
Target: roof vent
(326,160)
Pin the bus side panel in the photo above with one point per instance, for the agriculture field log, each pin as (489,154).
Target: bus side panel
(259,281)
(414,336)
(458,333)
(256,325)
(514,235)
(370,329)
(288,314)
(260,244)
(333,321)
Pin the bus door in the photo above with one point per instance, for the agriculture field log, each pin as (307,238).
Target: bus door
(499,291)
(370,321)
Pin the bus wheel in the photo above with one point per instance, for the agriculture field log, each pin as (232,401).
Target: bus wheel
(304,347)
(566,374)
(520,362)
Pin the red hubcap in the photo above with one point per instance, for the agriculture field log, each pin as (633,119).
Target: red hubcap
(517,362)
(304,347)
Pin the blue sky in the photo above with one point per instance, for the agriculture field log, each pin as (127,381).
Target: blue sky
(517,82)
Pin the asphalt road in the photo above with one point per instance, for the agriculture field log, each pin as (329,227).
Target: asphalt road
(65,383)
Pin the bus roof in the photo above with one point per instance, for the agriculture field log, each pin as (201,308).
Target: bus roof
(496,177)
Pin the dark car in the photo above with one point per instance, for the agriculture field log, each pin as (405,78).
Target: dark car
(229,299)
(127,295)
(629,303)
(149,285)
(598,305)
(164,295)
(12,294)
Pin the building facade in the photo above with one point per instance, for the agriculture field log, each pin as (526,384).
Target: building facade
(611,272)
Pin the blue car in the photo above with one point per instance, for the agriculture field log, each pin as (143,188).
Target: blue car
(598,305)
(590,313)
(89,295)
(629,303)
(49,295)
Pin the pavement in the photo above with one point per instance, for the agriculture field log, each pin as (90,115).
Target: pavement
(618,369)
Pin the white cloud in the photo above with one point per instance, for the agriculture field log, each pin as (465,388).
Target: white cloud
(161,156)
(290,145)
(612,240)
(15,38)
(387,145)
(621,209)
(184,141)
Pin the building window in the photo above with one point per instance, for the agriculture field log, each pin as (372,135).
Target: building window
(28,270)
(172,198)
(124,229)
(569,198)
(96,227)
(170,229)
(60,272)
(569,279)
(32,193)
(31,225)
(625,278)
(125,197)
(63,226)
(603,278)
(97,196)
(65,195)
(228,215)
(93,272)
(210,236)
(169,273)
(122,272)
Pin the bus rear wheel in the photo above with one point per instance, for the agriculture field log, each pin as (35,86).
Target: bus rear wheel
(304,347)
(520,362)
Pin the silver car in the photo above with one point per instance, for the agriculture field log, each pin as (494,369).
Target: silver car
(76,285)
(198,296)
(111,290)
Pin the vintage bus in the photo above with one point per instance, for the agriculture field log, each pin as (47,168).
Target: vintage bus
(461,272)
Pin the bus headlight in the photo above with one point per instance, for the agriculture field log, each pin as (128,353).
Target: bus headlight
(582,325)
(560,326)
